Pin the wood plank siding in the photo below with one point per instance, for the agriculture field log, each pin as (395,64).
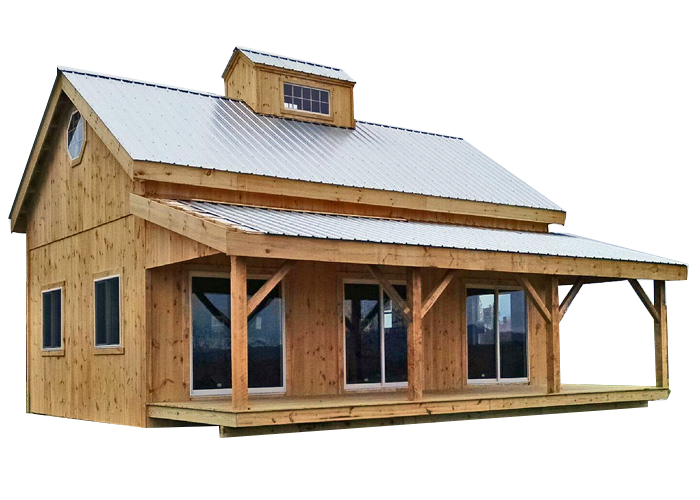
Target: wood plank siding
(314,329)
(80,227)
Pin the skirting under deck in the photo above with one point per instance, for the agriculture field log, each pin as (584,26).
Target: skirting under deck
(267,414)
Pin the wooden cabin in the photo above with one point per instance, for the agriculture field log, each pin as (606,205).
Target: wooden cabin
(263,262)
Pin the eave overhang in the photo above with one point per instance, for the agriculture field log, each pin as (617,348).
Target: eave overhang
(236,239)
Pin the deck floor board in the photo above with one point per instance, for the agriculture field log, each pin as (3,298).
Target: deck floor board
(280,410)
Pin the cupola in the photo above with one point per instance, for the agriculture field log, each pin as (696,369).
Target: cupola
(289,88)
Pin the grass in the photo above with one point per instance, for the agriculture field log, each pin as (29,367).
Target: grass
(678,389)
(579,426)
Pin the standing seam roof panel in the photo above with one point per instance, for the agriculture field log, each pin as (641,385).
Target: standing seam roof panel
(373,230)
(179,127)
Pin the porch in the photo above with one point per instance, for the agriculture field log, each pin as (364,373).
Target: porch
(337,287)
(271,415)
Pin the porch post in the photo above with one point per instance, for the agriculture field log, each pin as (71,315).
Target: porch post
(661,335)
(415,336)
(552,341)
(239,334)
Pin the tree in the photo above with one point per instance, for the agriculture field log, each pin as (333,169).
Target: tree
(16,298)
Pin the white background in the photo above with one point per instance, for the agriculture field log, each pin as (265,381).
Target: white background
(607,336)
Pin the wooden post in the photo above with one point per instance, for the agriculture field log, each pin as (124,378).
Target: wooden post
(552,341)
(416,372)
(661,335)
(239,334)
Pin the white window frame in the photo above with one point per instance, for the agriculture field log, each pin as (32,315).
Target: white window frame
(51,349)
(383,384)
(498,380)
(94,316)
(228,392)
(293,110)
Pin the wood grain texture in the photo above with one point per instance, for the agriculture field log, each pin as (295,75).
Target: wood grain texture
(354,407)
(156,189)
(81,384)
(416,348)
(661,335)
(69,200)
(239,333)
(261,88)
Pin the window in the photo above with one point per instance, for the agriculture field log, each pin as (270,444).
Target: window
(496,335)
(211,338)
(376,343)
(51,319)
(107,324)
(300,98)
(76,136)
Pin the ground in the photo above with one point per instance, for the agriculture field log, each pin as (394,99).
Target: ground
(572,426)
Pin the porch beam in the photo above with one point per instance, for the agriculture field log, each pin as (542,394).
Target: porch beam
(269,285)
(239,334)
(390,290)
(536,299)
(661,335)
(645,300)
(416,356)
(564,306)
(437,291)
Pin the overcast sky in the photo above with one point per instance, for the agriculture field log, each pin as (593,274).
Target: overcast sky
(601,130)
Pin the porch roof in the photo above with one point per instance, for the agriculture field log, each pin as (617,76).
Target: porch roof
(396,231)
(246,220)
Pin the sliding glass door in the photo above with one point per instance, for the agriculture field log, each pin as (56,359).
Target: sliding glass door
(211,338)
(496,335)
(376,343)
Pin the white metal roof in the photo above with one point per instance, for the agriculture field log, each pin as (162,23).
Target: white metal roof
(168,125)
(268,59)
(373,230)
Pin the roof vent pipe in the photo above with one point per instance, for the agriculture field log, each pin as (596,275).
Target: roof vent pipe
(211,85)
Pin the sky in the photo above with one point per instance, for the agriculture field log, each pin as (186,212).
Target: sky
(602,130)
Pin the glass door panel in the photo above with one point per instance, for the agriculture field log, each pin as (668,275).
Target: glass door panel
(211,334)
(512,334)
(362,334)
(481,336)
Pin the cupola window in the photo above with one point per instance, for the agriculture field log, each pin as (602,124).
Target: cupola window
(301,98)
(76,136)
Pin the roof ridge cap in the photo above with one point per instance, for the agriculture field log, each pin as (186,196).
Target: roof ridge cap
(270,54)
(410,130)
(64,69)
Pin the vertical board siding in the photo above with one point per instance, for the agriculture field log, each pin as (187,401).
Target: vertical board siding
(444,328)
(72,199)
(79,227)
(311,296)
(313,328)
(83,384)
(168,330)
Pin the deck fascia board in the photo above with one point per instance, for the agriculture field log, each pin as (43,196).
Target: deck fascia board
(373,407)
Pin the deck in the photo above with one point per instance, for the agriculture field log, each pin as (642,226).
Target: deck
(266,414)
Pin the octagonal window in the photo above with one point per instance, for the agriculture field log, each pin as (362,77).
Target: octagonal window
(76,135)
